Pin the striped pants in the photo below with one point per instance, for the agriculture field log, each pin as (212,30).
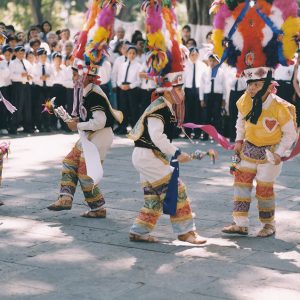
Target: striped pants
(74,170)
(265,175)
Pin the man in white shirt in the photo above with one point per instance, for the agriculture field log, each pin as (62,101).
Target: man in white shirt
(128,81)
(284,77)
(21,77)
(213,93)
(42,72)
(5,86)
(104,73)
(192,80)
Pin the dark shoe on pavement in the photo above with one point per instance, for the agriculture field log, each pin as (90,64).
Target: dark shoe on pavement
(63,203)
(235,229)
(147,238)
(100,214)
(192,237)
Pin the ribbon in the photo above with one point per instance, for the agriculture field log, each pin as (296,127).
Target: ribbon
(230,34)
(212,131)
(170,201)
(221,140)
(7,104)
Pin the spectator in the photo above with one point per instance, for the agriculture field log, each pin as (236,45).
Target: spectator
(68,49)
(21,76)
(186,34)
(10,30)
(12,41)
(64,38)
(5,86)
(137,35)
(21,39)
(35,44)
(120,34)
(140,45)
(191,43)
(128,81)
(68,83)
(2,27)
(46,28)
(55,47)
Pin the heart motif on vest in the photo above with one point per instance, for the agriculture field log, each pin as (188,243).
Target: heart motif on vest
(270,124)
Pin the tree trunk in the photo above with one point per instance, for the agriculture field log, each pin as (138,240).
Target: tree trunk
(36,8)
(198,12)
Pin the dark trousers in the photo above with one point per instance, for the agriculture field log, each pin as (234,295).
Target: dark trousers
(105,88)
(145,100)
(21,99)
(297,104)
(58,91)
(213,102)
(233,112)
(192,109)
(128,104)
(4,114)
(41,95)
(69,100)
(285,90)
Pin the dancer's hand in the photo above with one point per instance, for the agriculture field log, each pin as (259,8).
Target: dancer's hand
(238,146)
(277,159)
(72,125)
(184,157)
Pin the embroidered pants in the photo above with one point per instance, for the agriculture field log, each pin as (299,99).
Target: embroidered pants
(150,167)
(265,175)
(74,170)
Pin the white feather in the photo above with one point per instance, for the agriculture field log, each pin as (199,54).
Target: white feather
(276,16)
(268,34)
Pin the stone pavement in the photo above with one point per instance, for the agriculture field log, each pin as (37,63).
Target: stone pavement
(59,255)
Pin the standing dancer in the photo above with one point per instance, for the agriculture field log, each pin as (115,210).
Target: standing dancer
(266,126)
(152,135)
(95,124)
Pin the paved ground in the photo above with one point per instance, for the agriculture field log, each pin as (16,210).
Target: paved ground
(61,256)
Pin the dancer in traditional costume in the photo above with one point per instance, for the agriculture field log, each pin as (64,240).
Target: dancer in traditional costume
(261,37)
(95,123)
(152,134)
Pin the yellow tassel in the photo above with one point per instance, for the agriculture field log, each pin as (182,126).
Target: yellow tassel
(290,28)
(218,36)
(156,40)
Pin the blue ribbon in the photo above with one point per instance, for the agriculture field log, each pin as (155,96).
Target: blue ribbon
(231,33)
(170,201)
(277,32)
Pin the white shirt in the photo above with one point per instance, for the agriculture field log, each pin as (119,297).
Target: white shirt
(146,84)
(105,72)
(98,119)
(289,133)
(37,73)
(132,75)
(240,86)
(5,74)
(284,73)
(68,81)
(16,69)
(58,75)
(141,58)
(116,69)
(219,83)
(189,72)
(159,139)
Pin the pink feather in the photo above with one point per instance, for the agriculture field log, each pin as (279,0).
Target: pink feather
(289,8)
(154,19)
(221,16)
(106,17)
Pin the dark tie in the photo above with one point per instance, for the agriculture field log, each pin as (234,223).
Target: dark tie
(23,65)
(236,85)
(212,86)
(126,74)
(8,63)
(194,77)
(44,73)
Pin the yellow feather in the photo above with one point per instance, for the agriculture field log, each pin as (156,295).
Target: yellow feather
(290,28)
(156,40)
(218,36)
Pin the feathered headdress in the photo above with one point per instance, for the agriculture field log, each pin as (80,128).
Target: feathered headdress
(255,36)
(164,56)
(252,34)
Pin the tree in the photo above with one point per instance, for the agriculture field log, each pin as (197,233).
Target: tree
(198,12)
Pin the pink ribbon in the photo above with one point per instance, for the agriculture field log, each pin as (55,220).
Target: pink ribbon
(7,104)
(211,130)
(220,139)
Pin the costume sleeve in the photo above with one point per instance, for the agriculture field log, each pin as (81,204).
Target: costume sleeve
(289,136)
(95,123)
(240,128)
(160,140)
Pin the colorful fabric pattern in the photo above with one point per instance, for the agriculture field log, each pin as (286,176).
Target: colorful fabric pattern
(154,195)
(74,170)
